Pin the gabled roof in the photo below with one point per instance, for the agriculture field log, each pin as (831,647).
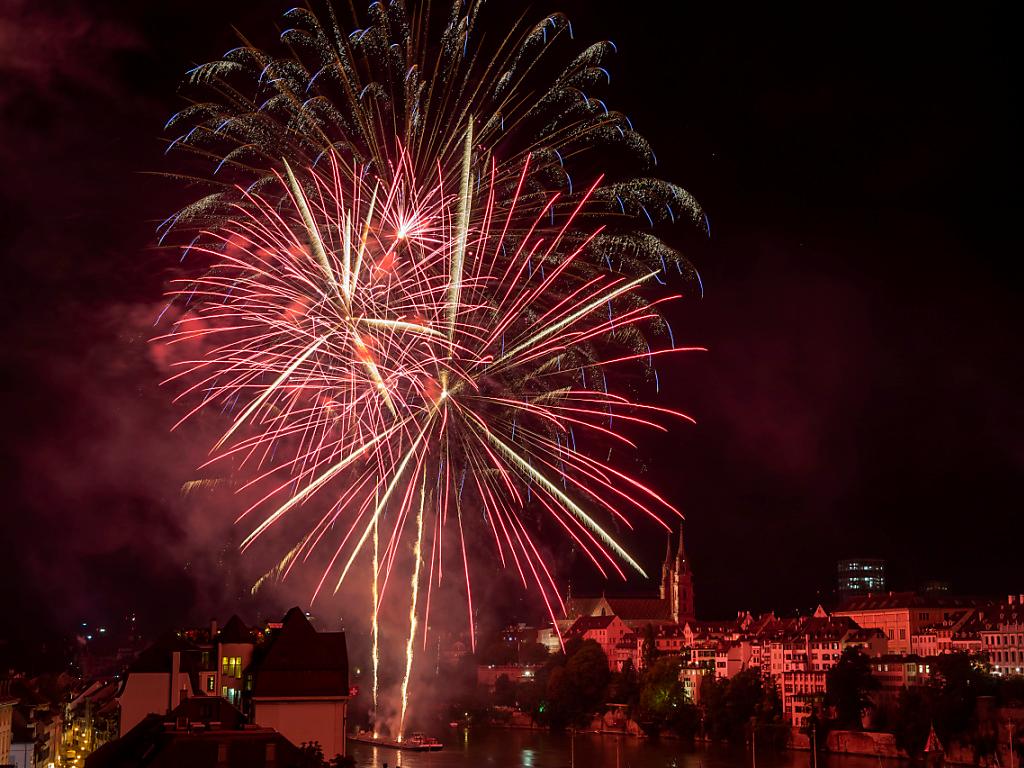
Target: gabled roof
(301,662)
(640,608)
(235,631)
(587,623)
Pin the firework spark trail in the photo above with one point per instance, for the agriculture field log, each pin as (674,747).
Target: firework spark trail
(404,289)
(375,649)
(414,588)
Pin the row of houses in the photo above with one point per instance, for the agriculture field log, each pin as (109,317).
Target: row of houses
(286,678)
(899,631)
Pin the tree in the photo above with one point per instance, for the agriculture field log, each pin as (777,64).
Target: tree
(533,653)
(911,720)
(848,687)
(661,694)
(649,649)
(624,686)
(311,755)
(504,692)
(576,685)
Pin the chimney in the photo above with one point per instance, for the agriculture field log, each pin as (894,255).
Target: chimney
(175,691)
(213,630)
(1010,599)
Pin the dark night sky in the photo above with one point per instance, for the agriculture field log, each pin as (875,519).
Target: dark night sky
(861,394)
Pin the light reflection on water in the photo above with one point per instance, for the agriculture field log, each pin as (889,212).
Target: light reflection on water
(501,748)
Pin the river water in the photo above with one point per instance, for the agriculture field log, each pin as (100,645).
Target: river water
(501,748)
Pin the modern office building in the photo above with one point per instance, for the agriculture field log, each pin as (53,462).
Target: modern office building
(860,576)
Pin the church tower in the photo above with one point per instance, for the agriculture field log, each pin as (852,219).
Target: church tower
(681,583)
(666,570)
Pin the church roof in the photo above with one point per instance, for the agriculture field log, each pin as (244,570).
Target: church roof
(640,608)
(587,623)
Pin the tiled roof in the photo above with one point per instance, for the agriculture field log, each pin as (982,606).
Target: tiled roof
(587,623)
(640,608)
(902,600)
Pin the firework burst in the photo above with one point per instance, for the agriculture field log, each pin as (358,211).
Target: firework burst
(414,317)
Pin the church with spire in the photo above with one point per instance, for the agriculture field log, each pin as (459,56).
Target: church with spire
(674,604)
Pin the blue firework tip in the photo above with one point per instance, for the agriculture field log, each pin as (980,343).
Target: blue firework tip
(611,318)
(628,122)
(658,278)
(285,32)
(319,157)
(607,74)
(529,266)
(603,106)
(184,252)
(622,205)
(220,164)
(650,359)
(501,119)
(707,224)
(503,343)
(223,123)
(558,154)
(671,214)
(671,336)
(160,316)
(622,133)
(583,377)
(604,382)
(657,382)
(172,119)
(572,436)
(542,269)
(608,261)
(699,282)
(552,216)
(168,223)
(314,77)
(654,157)
(513,429)
(648,215)
(183,139)
(569,178)
(264,72)
(363,92)
(615,48)
(409,71)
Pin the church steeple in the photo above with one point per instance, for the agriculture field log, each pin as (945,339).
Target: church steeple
(681,585)
(681,564)
(666,568)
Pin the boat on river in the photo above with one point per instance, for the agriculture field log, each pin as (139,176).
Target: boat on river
(417,742)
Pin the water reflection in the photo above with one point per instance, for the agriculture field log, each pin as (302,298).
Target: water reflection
(499,748)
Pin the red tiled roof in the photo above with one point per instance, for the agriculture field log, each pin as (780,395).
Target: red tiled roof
(587,623)
(640,608)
